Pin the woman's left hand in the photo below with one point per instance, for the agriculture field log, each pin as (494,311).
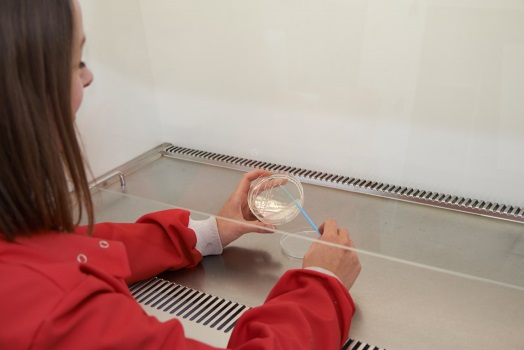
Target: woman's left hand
(237,210)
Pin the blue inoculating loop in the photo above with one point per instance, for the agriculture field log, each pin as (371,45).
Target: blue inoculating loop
(301,210)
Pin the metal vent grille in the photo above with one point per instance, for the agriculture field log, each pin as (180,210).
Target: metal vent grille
(202,308)
(187,303)
(352,344)
(468,205)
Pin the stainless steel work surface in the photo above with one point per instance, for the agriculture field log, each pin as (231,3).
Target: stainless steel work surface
(431,278)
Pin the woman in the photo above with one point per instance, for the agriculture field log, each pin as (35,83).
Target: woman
(64,286)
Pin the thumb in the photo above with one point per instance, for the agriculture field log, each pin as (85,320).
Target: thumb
(261,227)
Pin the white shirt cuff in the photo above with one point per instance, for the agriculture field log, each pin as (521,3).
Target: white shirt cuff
(322,270)
(208,240)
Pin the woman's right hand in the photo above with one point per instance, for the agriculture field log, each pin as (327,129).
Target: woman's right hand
(342,262)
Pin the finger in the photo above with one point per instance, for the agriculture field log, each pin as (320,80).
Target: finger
(349,241)
(245,181)
(255,174)
(342,232)
(329,228)
(274,183)
(343,237)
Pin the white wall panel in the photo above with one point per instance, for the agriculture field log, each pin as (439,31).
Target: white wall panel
(421,93)
(119,117)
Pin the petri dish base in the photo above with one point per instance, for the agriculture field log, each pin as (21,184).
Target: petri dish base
(272,199)
(296,244)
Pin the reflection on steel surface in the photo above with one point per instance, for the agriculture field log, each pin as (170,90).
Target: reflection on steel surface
(467,205)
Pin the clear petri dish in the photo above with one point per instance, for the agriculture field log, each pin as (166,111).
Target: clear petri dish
(271,198)
(297,242)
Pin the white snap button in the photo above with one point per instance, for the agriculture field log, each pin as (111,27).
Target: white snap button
(103,244)
(81,258)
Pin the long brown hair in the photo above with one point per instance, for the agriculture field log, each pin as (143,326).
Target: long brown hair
(39,151)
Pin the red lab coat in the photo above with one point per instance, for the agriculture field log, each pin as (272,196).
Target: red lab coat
(68,291)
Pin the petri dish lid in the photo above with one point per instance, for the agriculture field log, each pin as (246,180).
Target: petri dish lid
(297,243)
(270,198)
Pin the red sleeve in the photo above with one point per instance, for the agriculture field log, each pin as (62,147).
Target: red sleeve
(157,242)
(305,310)
(93,316)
